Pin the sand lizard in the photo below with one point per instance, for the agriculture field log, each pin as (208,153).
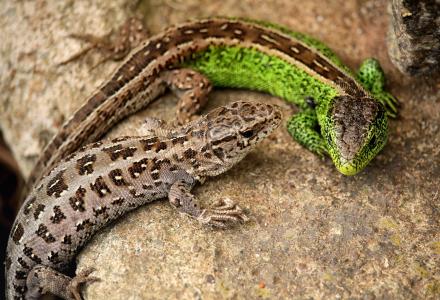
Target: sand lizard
(105,180)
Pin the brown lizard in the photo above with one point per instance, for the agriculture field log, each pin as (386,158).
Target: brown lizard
(103,181)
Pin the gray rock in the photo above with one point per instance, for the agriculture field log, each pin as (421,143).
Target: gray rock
(414,36)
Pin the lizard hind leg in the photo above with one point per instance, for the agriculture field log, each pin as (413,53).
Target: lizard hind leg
(222,214)
(372,78)
(43,279)
(192,89)
(304,128)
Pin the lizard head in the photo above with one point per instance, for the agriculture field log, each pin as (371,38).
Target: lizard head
(355,132)
(233,130)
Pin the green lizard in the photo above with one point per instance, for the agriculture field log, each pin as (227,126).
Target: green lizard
(342,114)
(318,126)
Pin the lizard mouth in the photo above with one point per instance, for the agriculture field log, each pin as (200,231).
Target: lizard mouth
(348,168)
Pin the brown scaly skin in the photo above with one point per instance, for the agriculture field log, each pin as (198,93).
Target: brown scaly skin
(105,180)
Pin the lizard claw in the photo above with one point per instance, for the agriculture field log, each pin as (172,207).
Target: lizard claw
(222,214)
(81,278)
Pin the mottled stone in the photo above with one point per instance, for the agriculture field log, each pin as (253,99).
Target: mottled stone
(414,36)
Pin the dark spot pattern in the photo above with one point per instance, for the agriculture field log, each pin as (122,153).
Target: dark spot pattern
(120,139)
(8,263)
(58,215)
(23,263)
(219,153)
(117,177)
(179,140)
(77,202)
(100,187)
(67,239)
(20,289)
(118,201)
(224,140)
(18,233)
(90,146)
(160,146)
(138,167)
(147,187)
(134,193)
(98,211)
(28,251)
(148,144)
(38,210)
(54,257)
(20,275)
(56,185)
(113,151)
(155,175)
(128,152)
(117,151)
(43,232)
(84,225)
(157,163)
(84,165)
(189,153)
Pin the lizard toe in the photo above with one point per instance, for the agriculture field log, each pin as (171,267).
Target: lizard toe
(78,280)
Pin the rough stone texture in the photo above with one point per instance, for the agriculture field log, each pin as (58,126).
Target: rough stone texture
(314,233)
(414,36)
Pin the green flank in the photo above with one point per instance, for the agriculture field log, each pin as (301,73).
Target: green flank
(314,126)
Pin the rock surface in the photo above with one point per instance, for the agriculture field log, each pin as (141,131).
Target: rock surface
(314,233)
(414,36)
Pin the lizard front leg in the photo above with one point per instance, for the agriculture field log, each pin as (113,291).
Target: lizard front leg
(304,128)
(372,77)
(43,279)
(192,89)
(220,215)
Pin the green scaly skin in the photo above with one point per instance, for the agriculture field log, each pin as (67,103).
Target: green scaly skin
(313,127)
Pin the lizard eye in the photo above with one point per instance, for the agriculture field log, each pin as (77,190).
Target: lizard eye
(247,134)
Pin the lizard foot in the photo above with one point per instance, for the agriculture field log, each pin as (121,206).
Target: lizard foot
(112,46)
(78,280)
(223,213)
